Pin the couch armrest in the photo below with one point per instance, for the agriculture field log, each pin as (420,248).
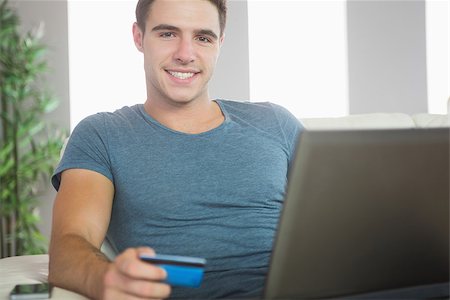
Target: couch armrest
(29,269)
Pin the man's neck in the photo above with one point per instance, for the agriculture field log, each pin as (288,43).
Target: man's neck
(192,118)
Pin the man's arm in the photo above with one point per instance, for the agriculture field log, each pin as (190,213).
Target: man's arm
(81,216)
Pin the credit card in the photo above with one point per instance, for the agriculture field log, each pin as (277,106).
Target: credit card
(181,270)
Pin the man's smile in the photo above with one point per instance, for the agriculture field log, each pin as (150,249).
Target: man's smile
(183,75)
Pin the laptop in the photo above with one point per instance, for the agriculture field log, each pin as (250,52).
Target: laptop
(366,215)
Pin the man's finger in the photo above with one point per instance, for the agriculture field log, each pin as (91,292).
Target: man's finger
(129,264)
(136,287)
(145,250)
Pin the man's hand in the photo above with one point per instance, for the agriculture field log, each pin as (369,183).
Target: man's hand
(130,278)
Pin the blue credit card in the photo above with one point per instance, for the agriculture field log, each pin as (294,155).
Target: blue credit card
(181,270)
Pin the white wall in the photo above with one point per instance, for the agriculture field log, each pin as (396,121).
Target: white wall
(231,78)
(387,56)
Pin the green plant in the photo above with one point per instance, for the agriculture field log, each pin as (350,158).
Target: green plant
(29,149)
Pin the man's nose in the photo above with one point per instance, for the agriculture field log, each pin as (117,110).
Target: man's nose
(185,52)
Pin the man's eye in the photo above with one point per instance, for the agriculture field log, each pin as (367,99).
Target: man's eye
(167,34)
(204,39)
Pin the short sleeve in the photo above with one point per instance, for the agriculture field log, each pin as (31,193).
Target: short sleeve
(290,127)
(87,148)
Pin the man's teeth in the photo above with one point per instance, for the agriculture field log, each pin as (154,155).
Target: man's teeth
(181,75)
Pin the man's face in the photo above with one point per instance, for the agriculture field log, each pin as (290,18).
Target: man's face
(181,45)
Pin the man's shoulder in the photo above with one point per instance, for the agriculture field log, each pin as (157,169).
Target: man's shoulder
(250,107)
(124,114)
(266,110)
(268,117)
(244,104)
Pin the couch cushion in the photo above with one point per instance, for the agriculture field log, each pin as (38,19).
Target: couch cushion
(431,120)
(361,121)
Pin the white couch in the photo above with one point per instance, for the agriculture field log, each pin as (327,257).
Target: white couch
(379,121)
(31,269)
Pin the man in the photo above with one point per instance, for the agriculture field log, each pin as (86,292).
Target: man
(182,174)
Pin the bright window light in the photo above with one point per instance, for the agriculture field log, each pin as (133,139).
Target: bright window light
(106,69)
(298,55)
(438,51)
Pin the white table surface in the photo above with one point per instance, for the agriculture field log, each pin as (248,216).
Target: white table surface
(28,269)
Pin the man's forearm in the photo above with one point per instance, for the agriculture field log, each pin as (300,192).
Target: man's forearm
(77,265)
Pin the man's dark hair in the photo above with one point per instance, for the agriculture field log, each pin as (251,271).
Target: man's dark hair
(143,9)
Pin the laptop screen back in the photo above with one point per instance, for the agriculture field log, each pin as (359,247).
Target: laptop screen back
(365,211)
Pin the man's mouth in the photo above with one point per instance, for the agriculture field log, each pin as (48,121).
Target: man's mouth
(181,75)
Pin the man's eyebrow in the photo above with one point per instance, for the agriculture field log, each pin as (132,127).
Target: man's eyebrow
(165,27)
(208,32)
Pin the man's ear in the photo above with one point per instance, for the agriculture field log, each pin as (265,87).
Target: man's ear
(138,37)
(221,39)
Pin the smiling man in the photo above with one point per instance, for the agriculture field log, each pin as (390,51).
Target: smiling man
(181,43)
(180,174)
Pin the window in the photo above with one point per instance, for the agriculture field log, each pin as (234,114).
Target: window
(299,57)
(106,70)
(438,63)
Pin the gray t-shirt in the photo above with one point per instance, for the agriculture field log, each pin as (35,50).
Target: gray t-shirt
(216,194)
